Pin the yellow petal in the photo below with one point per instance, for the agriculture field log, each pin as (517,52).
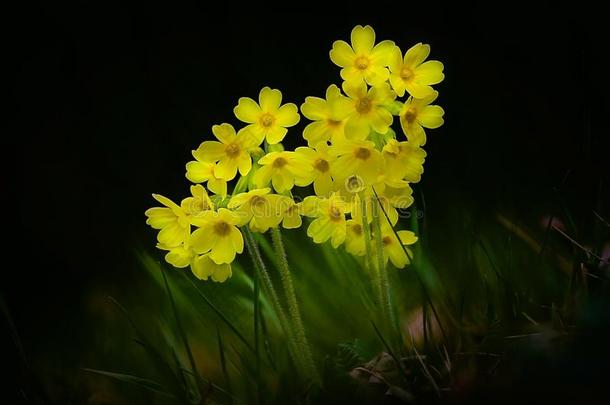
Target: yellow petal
(211,151)
(172,235)
(199,172)
(276,134)
(244,164)
(179,257)
(314,108)
(377,75)
(237,239)
(382,52)
(323,185)
(363,39)
(395,60)
(202,240)
(431,116)
(221,272)
(357,128)
(226,169)
(430,72)
(407,237)
(418,90)
(342,54)
(269,99)
(282,181)
(381,120)
(202,267)
(398,85)
(223,250)
(218,186)
(397,255)
(225,133)
(316,132)
(287,115)
(320,230)
(160,217)
(262,176)
(247,110)
(417,54)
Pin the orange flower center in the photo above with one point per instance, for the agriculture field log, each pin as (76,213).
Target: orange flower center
(232,150)
(406,73)
(279,163)
(386,240)
(321,165)
(362,62)
(364,105)
(333,123)
(411,115)
(267,120)
(362,153)
(357,229)
(335,214)
(221,228)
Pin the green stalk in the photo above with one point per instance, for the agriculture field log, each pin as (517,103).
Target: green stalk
(369,252)
(383,273)
(293,305)
(263,274)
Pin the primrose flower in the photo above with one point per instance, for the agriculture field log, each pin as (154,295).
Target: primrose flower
(330,220)
(363,61)
(401,197)
(356,158)
(200,171)
(370,199)
(418,114)
(328,115)
(367,110)
(404,161)
(258,208)
(231,152)
(217,234)
(412,73)
(354,238)
(281,169)
(171,220)
(179,256)
(198,203)
(291,215)
(319,162)
(203,267)
(393,247)
(268,119)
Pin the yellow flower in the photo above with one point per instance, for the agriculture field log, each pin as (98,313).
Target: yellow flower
(291,216)
(179,256)
(217,234)
(356,158)
(281,169)
(354,239)
(404,161)
(197,204)
(173,222)
(328,115)
(200,171)
(268,119)
(399,197)
(259,208)
(370,199)
(330,220)
(363,61)
(418,114)
(393,247)
(412,73)
(367,110)
(231,152)
(319,162)
(203,267)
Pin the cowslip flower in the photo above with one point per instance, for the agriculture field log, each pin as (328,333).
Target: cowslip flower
(200,171)
(203,267)
(319,162)
(354,238)
(394,248)
(399,197)
(291,215)
(411,73)
(367,110)
(418,114)
(281,169)
(329,222)
(369,200)
(198,203)
(231,152)
(218,235)
(268,119)
(363,61)
(258,208)
(328,115)
(171,220)
(404,161)
(356,158)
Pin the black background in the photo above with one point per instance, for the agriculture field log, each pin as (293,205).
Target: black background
(108,100)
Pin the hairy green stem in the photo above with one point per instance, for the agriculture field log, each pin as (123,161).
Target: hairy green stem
(293,305)
(374,272)
(381,264)
(270,291)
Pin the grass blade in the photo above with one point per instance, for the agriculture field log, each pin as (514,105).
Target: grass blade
(131,379)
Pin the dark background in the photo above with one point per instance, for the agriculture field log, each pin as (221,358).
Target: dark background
(108,100)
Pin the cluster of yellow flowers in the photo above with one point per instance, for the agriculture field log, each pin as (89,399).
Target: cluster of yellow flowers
(353,159)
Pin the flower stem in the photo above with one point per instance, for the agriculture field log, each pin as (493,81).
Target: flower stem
(381,264)
(369,252)
(293,305)
(263,274)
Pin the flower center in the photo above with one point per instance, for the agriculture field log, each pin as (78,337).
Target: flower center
(362,153)
(279,163)
(333,123)
(362,62)
(335,214)
(267,120)
(410,115)
(364,105)
(357,229)
(232,150)
(354,184)
(257,201)
(222,228)
(386,240)
(406,73)
(321,165)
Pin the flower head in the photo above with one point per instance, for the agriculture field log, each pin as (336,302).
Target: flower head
(268,119)
(258,208)
(412,73)
(291,215)
(231,152)
(418,114)
(281,169)
(363,61)
(394,248)
(217,234)
(200,171)
(172,221)
(203,267)
(356,158)
(404,162)
(328,115)
(330,222)
(319,162)
(367,110)
(354,238)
